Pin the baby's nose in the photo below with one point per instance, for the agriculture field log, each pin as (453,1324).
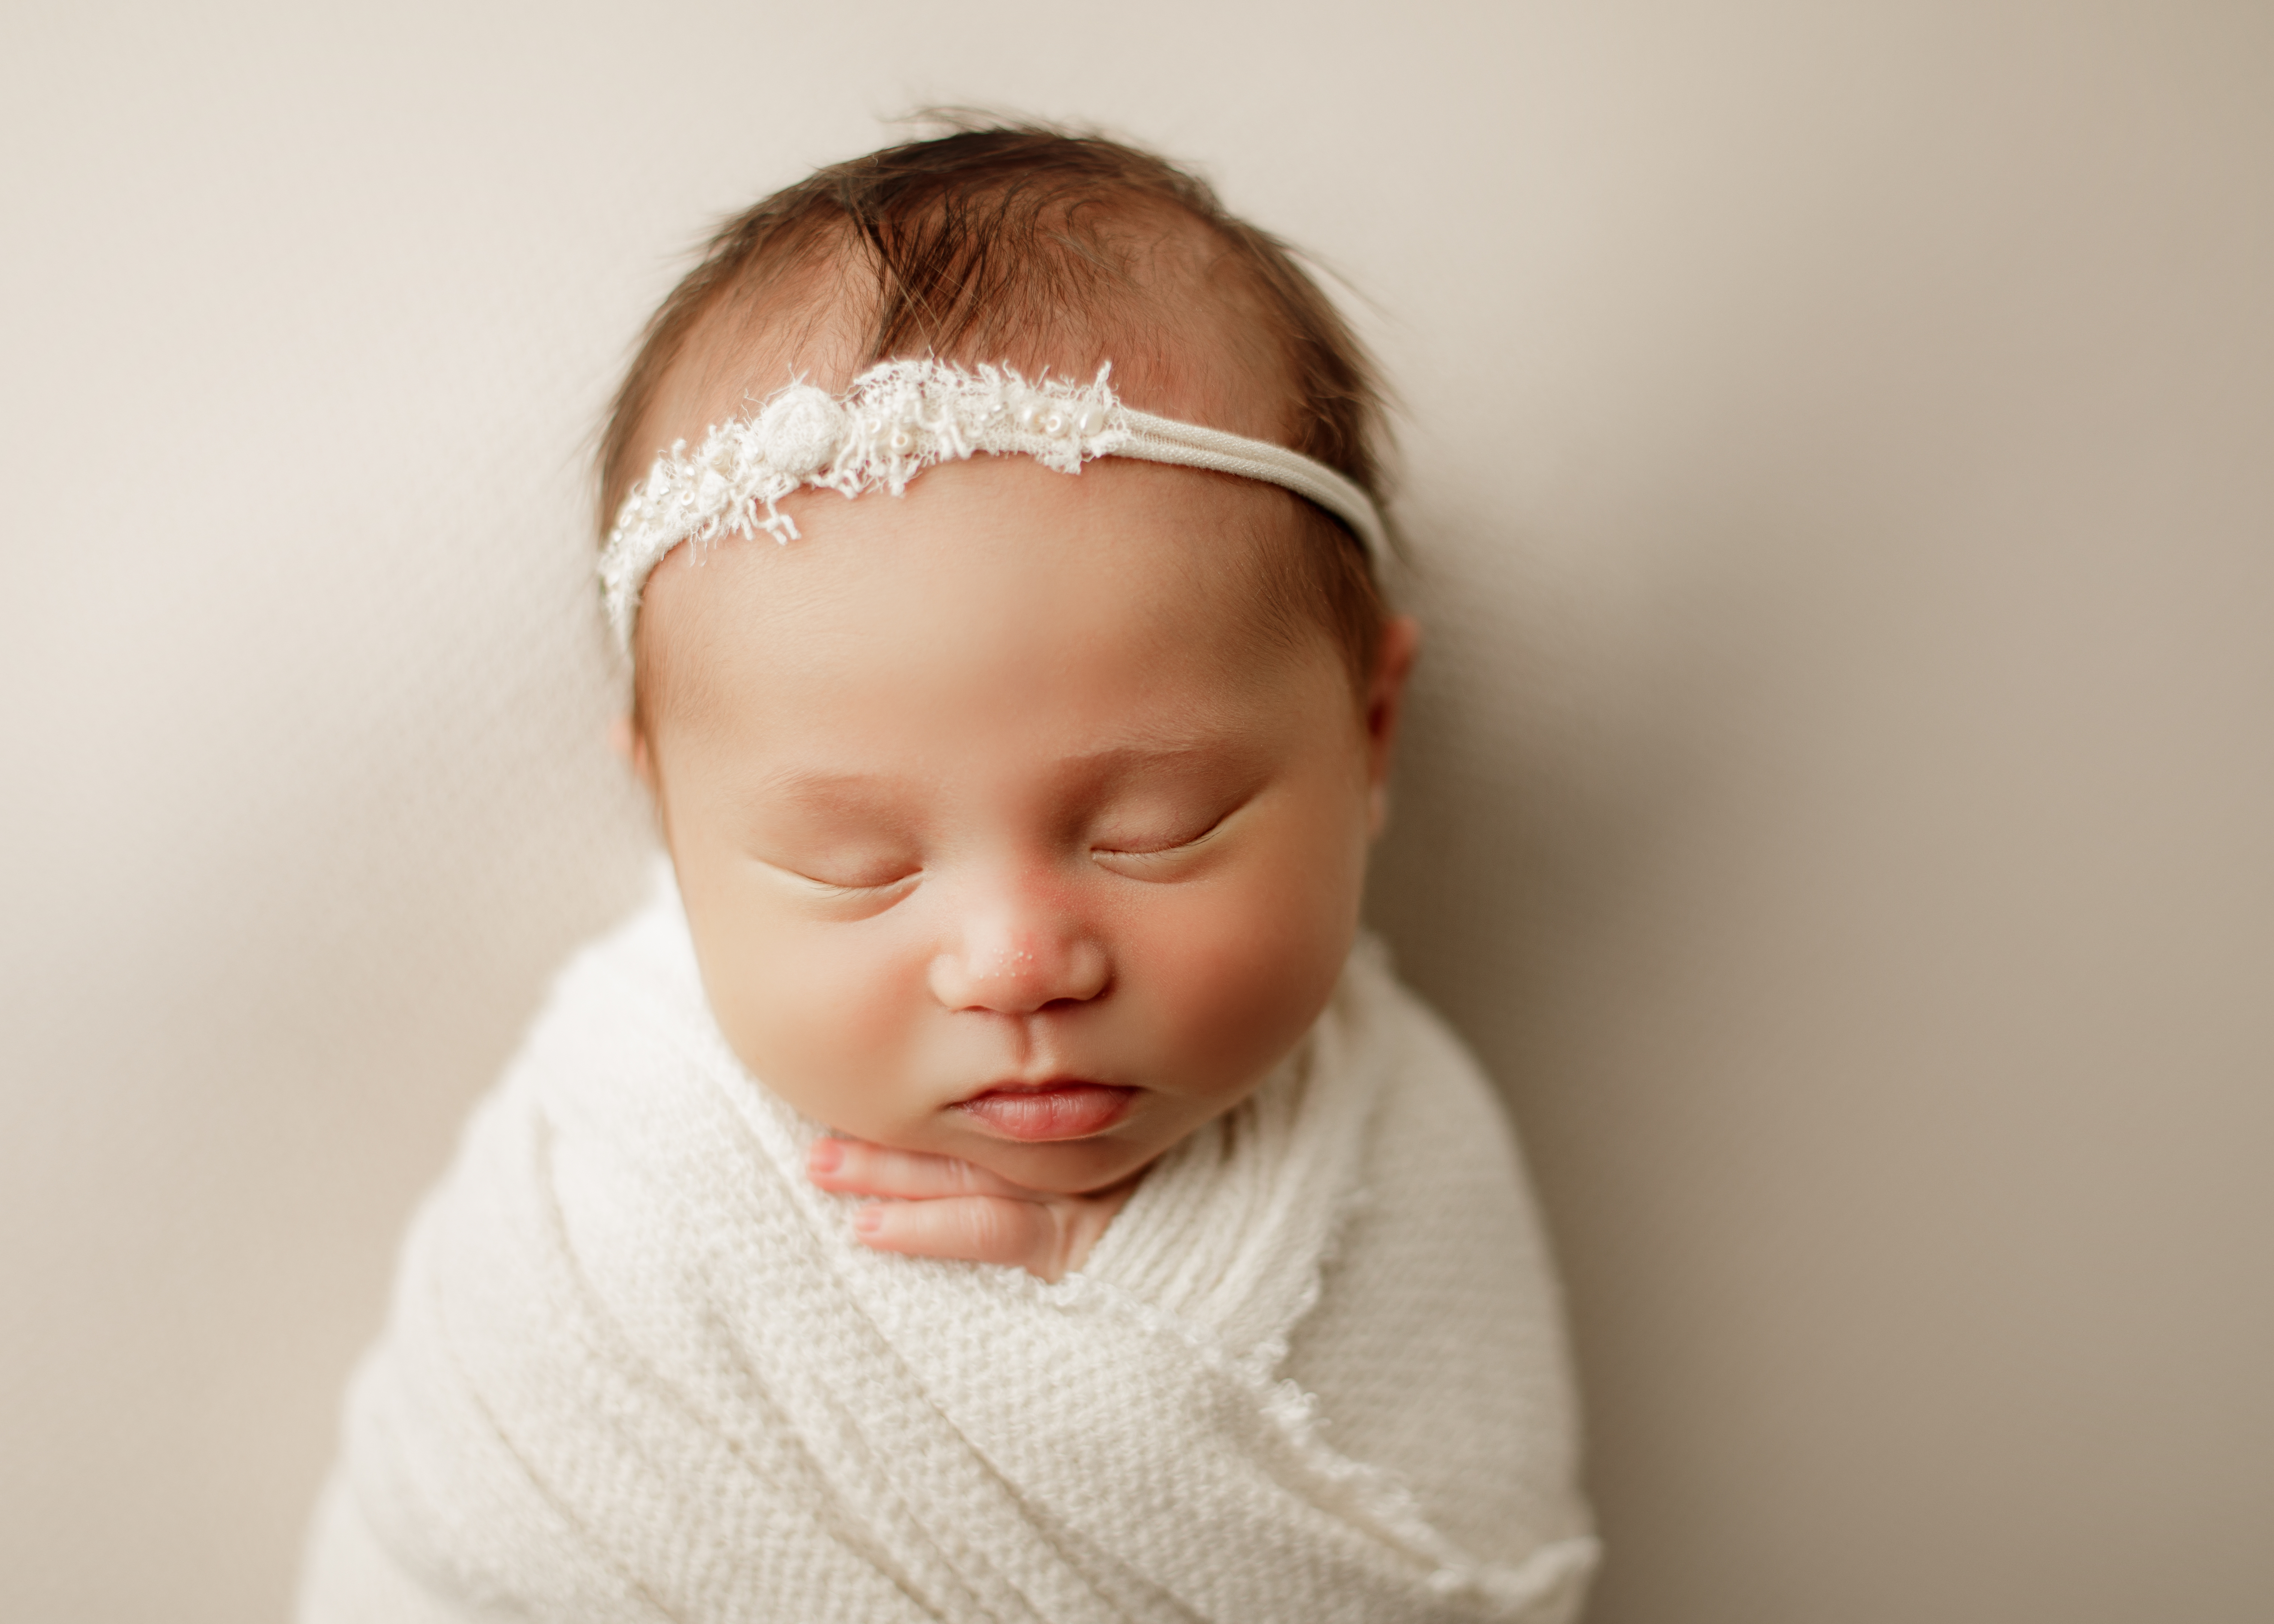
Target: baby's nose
(1016,966)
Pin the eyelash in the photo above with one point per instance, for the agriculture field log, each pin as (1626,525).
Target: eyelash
(1204,836)
(827,889)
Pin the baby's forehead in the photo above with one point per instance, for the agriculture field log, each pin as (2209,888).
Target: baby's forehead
(986,578)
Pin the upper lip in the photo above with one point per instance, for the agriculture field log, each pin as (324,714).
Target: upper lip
(1021,1085)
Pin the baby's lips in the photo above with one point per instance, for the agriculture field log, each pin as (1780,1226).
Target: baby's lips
(1068,1111)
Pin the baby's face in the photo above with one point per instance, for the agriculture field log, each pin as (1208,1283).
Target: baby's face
(1004,830)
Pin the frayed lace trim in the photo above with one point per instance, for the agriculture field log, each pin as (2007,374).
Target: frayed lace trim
(898,419)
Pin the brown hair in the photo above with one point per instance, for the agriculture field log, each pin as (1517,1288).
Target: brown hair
(998,232)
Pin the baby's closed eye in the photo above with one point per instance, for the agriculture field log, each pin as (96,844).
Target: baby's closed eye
(1157,847)
(868,874)
(873,876)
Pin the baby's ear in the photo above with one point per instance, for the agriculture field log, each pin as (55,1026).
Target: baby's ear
(1385,699)
(629,743)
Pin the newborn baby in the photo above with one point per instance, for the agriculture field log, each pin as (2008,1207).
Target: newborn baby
(993,1180)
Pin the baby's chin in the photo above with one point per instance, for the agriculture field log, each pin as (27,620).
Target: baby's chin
(1080,1164)
(1068,1166)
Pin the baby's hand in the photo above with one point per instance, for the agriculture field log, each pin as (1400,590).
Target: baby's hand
(943,1207)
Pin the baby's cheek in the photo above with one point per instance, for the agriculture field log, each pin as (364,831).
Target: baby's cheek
(820,1018)
(1241,978)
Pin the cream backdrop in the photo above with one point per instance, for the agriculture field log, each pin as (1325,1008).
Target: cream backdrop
(1840,790)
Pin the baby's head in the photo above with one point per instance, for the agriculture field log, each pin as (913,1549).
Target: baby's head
(1021,816)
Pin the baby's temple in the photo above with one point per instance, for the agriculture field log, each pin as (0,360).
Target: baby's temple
(995,1177)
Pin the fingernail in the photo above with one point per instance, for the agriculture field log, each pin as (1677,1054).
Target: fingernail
(867,1219)
(826,1156)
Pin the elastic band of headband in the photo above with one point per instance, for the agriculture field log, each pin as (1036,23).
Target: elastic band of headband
(899,418)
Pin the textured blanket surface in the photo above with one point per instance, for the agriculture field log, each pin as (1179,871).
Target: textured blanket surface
(636,1368)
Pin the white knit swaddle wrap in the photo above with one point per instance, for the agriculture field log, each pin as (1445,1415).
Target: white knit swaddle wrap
(637,1368)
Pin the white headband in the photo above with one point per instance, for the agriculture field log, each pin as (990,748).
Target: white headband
(899,418)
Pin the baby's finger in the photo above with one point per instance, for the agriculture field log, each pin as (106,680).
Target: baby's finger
(858,1167)
(980,1228)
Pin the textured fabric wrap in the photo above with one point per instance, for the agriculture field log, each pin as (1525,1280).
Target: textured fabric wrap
(638,1369)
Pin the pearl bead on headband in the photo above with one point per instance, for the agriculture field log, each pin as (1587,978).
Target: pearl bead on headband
(899,418)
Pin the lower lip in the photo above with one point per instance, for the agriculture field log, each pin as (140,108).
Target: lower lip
(1059,1111)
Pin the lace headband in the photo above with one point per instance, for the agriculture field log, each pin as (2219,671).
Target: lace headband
(899,418)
